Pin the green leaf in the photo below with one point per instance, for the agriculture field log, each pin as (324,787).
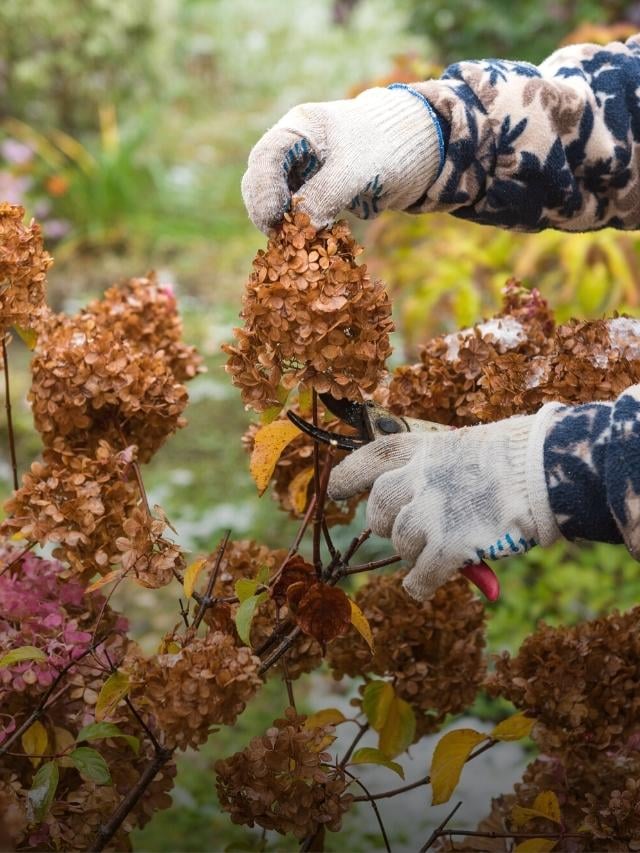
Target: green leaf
(244,616)
(369,755)
(377,697)
(111,693)
(449,757)
(98,731)
(43,790)
(35,742)
(21,654)
(326,717)
(389,715)
(91,765)
(245,588)
(263,575)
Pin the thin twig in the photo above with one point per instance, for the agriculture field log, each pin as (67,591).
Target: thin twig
(288,683)
(156,745)
(207,600)
(277,653)
(362,730)
(141,488)
(371,800)
(42,704)
(374,564)
(17,559)
(522,836)
(327,538)
(7,405)
(437,832)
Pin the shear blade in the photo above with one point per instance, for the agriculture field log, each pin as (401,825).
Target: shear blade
(344,442)
(348,411)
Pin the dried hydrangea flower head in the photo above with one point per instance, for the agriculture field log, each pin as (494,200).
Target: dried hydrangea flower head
(283,780)
(311,314)
(432,649)
(145,311)
(599,798)
(77,502)
(91,382)
(207,682)
(23,268)
(582,683)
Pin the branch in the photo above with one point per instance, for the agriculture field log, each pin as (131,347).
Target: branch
(207,600)
(277,653)
(362,730)
(437,832)
(369,798)
(109,829)
(42,704)
(425,780)
(374,564)
(17,559)
(7,405)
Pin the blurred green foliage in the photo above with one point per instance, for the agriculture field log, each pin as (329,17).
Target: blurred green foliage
(61,59)
(510,29)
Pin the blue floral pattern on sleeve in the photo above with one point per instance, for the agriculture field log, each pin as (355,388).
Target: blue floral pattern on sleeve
(535,147)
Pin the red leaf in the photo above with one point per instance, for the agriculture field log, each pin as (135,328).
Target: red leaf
(324,613)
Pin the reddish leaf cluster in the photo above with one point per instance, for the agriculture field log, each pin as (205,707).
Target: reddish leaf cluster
(244,559)
(311,314)
(283,780)
(433,650)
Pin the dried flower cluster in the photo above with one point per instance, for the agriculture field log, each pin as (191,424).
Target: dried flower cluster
(207,682)
(311,314)
(447,385)
(23,269)
(41,606)
(516,362)
(582,684)
(244,559)
(91,382)
(598,798)
(433,650)
(283,780)
(79,503)
(296,461)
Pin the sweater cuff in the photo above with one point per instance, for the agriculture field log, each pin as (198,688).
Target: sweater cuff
(543,516)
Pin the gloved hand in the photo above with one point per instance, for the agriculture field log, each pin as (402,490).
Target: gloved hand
(449,499)
(380,150)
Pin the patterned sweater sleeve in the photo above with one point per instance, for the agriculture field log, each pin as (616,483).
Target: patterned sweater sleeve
(550,146)
(592,468)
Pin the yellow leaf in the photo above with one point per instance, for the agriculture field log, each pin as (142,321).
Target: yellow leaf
(536,845)
(448,760)
(399,729)
(111,693)
(513,728)
(17,536)
(34,742)
(269,415)
(191,576)
(103,581)
(298,488)
(270,441)
(545,806)
(361,623)
(377,697)
(327,717)
(29,336)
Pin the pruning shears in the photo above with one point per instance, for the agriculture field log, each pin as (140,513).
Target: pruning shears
(372,422)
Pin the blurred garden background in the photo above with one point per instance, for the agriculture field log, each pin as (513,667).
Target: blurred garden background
(125,129)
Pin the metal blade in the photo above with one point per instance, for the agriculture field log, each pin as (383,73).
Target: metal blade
(344,442)
(349,412)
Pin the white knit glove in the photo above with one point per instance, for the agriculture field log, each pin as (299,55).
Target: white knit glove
(449,499)
(380,150)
